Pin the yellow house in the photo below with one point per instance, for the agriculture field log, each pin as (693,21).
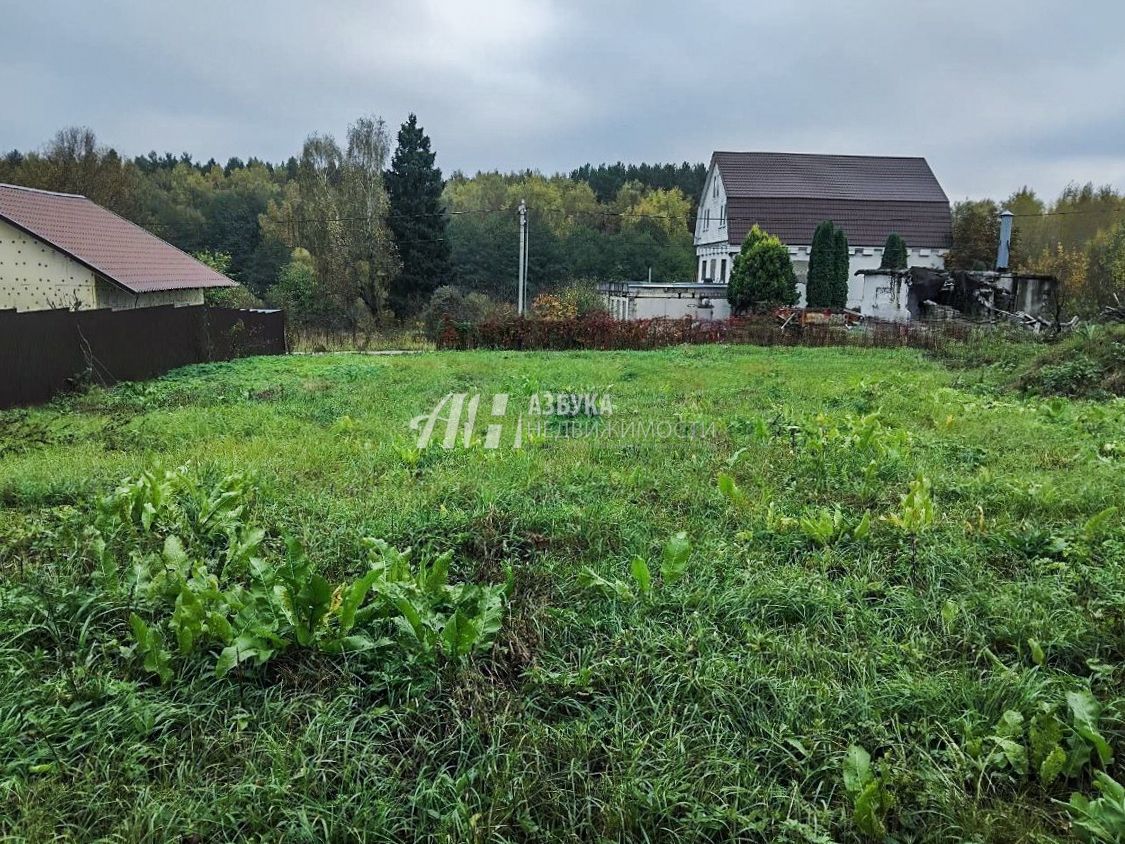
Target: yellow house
(60,250)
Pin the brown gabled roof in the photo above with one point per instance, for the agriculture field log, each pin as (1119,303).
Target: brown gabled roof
(790,175)
(868,196)
(122,252)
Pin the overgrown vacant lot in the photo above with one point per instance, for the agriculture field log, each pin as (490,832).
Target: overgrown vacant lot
(896,607)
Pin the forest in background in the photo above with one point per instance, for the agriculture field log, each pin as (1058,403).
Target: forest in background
(364,231)
(317,233)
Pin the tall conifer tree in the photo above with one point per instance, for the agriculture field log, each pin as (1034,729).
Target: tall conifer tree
(894,253)
(841,266)
(821,263)
(418,220)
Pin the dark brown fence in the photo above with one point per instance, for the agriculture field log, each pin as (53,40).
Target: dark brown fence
(45,352)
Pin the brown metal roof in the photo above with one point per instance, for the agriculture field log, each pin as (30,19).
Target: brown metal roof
(110,245)
(925,225)
(778,175)
(789,194)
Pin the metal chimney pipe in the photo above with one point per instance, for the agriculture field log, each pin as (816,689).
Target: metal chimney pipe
(1004,252)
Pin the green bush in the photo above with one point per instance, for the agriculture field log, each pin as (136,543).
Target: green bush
(297,290)
(1088,363)
(829,262)
(225,297)
(762,275)
(232,297)
(454,303)
(584,297)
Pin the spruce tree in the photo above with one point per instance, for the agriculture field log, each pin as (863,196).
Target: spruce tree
(821,263)
(894,253)
(418,221)
(841,270)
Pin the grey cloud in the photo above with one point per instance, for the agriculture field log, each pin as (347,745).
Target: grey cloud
(994,94)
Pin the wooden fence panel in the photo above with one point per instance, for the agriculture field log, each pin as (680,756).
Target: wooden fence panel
(45,352)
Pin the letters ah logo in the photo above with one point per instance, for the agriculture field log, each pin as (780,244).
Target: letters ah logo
(459,413)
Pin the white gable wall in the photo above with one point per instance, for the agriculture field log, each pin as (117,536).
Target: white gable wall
(35,276)
(712,236)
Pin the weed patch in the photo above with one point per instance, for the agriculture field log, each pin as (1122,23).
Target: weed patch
(1088,363)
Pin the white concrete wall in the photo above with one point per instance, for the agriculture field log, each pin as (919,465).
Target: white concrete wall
(862,258)
(112,296)
(35,276)
(652,304)
(884,297)
(650,307)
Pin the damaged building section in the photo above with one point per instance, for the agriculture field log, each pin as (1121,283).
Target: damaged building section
(1025,299)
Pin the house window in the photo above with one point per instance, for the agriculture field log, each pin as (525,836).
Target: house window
(723,214)
(715,187)
(707,219)
(723,271)
(702,268)
(712,276)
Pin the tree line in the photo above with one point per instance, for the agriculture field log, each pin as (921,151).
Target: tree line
(364,230)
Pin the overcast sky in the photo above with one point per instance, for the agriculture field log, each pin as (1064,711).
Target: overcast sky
(995,93)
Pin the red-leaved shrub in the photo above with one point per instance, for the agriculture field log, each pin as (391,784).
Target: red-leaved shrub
(601,331)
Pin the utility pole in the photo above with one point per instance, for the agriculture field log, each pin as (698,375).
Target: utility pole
(523,259)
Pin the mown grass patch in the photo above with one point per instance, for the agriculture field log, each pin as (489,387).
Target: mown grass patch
(726,684)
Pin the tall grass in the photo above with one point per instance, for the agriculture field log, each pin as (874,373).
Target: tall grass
(313,340)
(714,697)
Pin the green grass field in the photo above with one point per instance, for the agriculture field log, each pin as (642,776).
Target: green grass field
(896,612)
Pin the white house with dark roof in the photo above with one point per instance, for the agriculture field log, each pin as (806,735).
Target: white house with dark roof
(790,194)
(60,250)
